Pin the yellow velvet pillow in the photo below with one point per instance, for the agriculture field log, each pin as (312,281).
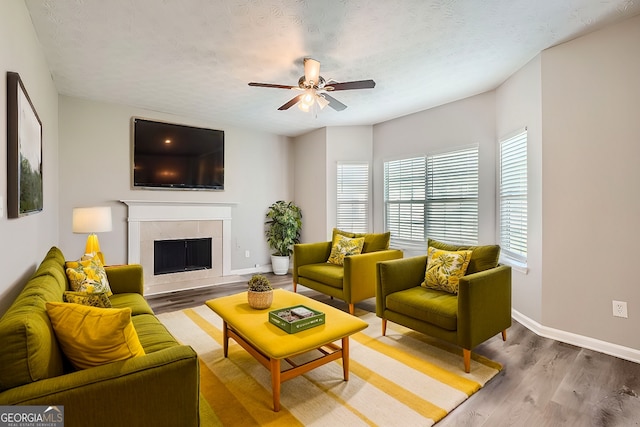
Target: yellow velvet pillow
(343,246)
(445,268)
(92,336)
(88,275)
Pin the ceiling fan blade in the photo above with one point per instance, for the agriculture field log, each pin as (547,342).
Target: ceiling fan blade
(271,85)
(360,84)
(311,71)
(291,102)
(334,103)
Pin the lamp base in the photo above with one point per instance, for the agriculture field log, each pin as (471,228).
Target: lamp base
(93,247)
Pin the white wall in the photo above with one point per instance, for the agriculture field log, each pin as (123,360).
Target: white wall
(95,169)
(519,105)
(24,241)
(449,127)
(311,183)
(591,183)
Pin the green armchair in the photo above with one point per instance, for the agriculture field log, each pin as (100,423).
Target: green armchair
(480,310)
(352,282)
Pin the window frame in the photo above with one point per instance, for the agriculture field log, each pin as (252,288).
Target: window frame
(467,199)
(519,201)
(365,222)
(408,237)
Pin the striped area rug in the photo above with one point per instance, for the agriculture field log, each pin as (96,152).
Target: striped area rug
(402,379)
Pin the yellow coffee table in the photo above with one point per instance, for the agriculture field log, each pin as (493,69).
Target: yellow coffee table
(270,345)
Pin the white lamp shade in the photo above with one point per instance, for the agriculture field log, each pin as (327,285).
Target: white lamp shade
(92,220)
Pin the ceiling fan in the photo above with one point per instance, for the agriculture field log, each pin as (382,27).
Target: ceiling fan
(315,88)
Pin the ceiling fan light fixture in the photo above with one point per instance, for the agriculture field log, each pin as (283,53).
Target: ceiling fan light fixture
(315,89)
(311,71)
(308,98)
(304,107)
(322,101)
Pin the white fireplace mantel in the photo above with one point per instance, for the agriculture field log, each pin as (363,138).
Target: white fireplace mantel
(152,210)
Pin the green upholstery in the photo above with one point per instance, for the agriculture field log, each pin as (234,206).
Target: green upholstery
(482,257)
(330,274)
(481,309)
(352,282)
(159,388)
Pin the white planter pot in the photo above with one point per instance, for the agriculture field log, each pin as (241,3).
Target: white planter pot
(280,265)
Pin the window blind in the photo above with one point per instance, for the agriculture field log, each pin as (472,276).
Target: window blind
(513,197)
(404,195)
(452,196)
(353,197)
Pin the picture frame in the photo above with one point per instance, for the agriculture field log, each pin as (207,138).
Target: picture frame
(24,151)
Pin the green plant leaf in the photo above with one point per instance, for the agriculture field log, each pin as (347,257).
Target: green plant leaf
(283,225)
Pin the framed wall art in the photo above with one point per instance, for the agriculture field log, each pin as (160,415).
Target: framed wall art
(24,151)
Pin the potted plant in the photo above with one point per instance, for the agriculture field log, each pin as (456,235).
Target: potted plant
(284,221)
(260,293)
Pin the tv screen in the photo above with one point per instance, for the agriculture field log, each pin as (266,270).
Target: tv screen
(174,156)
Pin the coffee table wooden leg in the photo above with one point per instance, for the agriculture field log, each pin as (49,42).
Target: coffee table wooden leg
(275,383)
(345,358)
(225,339)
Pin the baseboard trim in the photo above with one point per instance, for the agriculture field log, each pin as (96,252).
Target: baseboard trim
(611,349)
(253,270)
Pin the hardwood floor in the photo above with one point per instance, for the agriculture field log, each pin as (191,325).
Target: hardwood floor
(543,382)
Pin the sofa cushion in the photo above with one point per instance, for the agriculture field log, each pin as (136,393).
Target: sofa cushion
(135,302)
(445,268)
(436,307)
(326,273)
(30,351)
(100,299)
(152,333)
(374,242)
(92,336)
(337,231)
(483,257)
(343,246)
(87,275)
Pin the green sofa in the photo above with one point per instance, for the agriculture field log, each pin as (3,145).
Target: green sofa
(352,282)
(480,310)
(160,388)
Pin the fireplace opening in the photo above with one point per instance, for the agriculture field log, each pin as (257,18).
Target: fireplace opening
(179,255)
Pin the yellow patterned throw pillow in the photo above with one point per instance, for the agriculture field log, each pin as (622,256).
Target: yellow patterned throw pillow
(88,275)
(445,268)
(99,299)
(91,336)
(343,246)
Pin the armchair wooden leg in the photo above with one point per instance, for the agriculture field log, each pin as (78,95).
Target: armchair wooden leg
(504,335)
(352,309)
(467,360)
(384,327)
(295,286)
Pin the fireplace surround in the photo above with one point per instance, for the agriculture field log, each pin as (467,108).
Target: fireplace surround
(149,221)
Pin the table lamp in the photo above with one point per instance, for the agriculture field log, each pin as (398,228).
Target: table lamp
(92,220)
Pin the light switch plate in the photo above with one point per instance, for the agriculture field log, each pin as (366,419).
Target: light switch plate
(1,207)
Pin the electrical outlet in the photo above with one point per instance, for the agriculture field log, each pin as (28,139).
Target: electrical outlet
(247,254)
(620,309)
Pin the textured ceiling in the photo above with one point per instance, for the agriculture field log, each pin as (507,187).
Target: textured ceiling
(195,57)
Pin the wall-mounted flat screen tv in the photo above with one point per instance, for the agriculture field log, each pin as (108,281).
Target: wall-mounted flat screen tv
(174,156)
